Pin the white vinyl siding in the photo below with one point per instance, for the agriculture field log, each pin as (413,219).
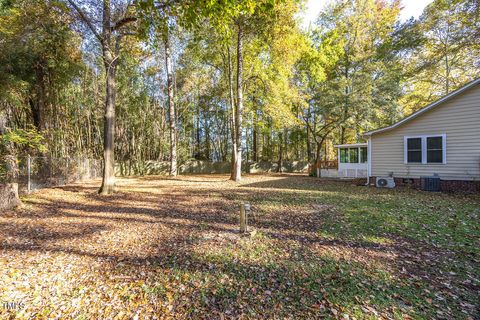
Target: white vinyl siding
(457,120)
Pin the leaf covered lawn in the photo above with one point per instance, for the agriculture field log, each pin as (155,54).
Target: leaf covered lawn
(169,248)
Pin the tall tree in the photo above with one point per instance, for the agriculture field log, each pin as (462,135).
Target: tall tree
(363,81)
(237,166)
(241,18)
(109,36)
(448,52)
(39,55)
(171,106)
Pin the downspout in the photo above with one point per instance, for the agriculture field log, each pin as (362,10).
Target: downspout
(369,159)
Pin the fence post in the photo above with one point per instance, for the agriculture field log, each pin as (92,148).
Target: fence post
(78,169)
(29,186)
(66,170)
(87,168)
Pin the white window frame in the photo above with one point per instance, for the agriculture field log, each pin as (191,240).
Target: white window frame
(360,156)
(424,148)
(359,151)
(340,157)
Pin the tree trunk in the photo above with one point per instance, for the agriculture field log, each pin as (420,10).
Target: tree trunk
(237,173)
(255,144)
(9,196)
(447,73)
(318,156)
(9,157)
(255,138)
(9,191)
(108,181)
(197,154)
(233,111)
(346,101)
(280,153)
(37,104)
(309,146)
(207,140)
(325,150)
(171,108)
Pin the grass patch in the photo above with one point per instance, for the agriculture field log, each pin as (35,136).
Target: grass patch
(170,248)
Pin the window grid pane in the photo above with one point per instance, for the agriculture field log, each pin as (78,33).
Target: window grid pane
(434,156)
(434,143)
(343,156)
(414,150)
(414,143)
(415,156)
(353,155)
(364,155)
(434,149)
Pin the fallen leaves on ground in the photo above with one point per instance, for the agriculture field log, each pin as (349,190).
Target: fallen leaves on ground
(164,248)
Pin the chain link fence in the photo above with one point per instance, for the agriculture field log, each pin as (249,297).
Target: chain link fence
(43,172)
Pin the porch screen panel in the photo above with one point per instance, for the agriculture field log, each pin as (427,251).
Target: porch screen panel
(353,155)
(343,155)
(364,155)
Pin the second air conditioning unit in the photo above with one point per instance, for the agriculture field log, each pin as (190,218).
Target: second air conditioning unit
(385,182)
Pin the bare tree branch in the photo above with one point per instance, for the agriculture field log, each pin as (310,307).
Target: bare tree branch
(123,22)
(85,19)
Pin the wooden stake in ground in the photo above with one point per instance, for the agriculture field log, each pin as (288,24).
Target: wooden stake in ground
(243,219)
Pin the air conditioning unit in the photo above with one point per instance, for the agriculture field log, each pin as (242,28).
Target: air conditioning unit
(385,182)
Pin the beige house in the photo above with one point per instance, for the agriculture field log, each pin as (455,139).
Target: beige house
(441,139)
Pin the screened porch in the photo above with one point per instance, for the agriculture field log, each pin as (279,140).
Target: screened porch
(352,160)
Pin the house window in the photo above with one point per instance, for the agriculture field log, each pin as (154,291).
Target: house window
(425,149)
(353,155)
(343,155)
(353,152)
(363,155)
(434,150)
(414,150)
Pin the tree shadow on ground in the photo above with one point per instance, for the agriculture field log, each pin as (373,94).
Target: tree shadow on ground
(295,182)
(163,230)
(301,284)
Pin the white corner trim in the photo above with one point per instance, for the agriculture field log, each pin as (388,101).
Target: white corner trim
(369,157)
(424,148)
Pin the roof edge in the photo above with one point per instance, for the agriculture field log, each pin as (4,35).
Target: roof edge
(346,145)
(426,108)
